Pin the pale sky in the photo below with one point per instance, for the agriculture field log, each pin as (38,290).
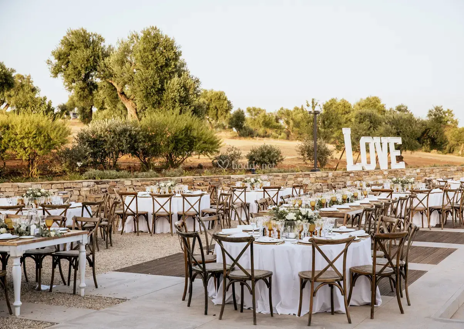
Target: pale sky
(269,54)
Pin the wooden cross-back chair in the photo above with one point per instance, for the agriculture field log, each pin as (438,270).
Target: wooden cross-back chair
(284,198)
(458,205)
(379,191)
(72,256)
(129,200)
(401,208)
(446,207)
(442,184)
(191,207)
(297,189)
(239,200)
(272,192)
(223,208)
(419,204)
(262,205)
(330,275)
(92,208)
(197,265)
(18,208)
(213,190)
(107,223)
(236,273)
(61,217)
(162,208)
(391,269)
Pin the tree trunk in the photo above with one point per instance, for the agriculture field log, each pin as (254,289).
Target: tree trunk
(128,103)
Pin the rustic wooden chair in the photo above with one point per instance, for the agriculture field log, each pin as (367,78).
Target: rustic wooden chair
(197,265)
(107,223)
(297,189)
(458,206)
(419,204)
(213,191)
(239,202)
(4,286)
(241,275)
(262,205)
(446,207)
(284,199)
(387,224)
(162,208)
(379,191)
(272,192)
(61,217)
(129,200)
(191,207)
(18,208)
(401,209)
(391,269)
(72,256)
(223,208)
(329,275)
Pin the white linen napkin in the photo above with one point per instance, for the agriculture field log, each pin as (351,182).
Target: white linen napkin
(6,235)
(328,209)
(230,231)
(239,235)
(244,227)
(357,233)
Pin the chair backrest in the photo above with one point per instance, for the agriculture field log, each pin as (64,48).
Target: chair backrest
(128,200)
(209,234)
(46,208)
(383,242)
(234,261)
(272,192)
(284,198)
(93,208)
(89,224)
(449,196)
(412,231)
(316,244)
(418,200)
(387,208)
(191,202)
(401,208)
(18,208)
(378,191)
(387,224)
(213,190)
(163,202)
(189,241)
(297,189)
(442,184)
(238,194)
(367,216)
(262,205)
(224,202)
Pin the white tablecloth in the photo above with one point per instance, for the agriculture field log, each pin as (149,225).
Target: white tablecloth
(285,261)
(162,225)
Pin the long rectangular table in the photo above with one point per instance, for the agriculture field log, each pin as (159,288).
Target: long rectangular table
(17,247)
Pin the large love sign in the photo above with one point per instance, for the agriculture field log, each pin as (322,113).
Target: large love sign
(376,144)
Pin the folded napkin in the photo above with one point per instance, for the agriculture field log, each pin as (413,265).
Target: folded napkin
(372,197)
(306,239)
(364,201)
(244,227)
(341,228)
(266,239)
(354,204)
(341,206)
(339,236)
(6,235)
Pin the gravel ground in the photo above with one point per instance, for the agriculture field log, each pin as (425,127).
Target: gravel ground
(20,323)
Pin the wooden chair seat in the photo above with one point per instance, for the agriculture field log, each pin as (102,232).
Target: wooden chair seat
(209,211)
(419,208)
(440,207)
(259,274)
(187,213)
(327,276)
(162,214)
(44,251)
(379,253)
(211,267)
(383,261)
(208,258)
(368,269)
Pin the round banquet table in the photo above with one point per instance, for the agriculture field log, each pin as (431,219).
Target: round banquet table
(162,225)
(285,261)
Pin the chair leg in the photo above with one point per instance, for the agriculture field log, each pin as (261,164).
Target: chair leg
(5,290)
(233,296)
(186,277)
(123,223)
(241,297)
(92,263)
(190,290)
(346,302)
(205,286)
(406,289)
(253,296)
(270,296)
(311,300)
(331,299)
(53,273)
(301,297)
(398,292)
(373,294)
(75,265)
(69,272)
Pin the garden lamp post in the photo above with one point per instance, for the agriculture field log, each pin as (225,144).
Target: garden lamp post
(315,113)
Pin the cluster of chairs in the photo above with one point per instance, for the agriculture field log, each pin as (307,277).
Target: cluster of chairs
(96,217)
(392,237)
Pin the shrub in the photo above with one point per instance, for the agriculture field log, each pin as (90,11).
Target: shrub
(177,172)
(227,159)
(106,174)
(306,151)
(265,156)
(31,136)
(73,159)
(246,132)
(106,141)
(179,136)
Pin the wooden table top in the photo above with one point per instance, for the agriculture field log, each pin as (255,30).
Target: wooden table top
(19,242)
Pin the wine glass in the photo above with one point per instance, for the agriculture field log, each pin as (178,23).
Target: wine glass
(49,222)
(305,229)
(253,221)
(313,204)
(344,197)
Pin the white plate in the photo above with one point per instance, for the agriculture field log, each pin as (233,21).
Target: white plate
(328,209)
(9,237)
(361,235)
(27,237)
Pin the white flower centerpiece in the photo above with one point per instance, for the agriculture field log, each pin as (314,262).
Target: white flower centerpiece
(35,194)
(166,187)
(253,182)
(294,217)
(404,182)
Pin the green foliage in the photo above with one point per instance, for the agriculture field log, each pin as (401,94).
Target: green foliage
(306,150)
(365,123)
(262,122)
(179,136)
(24,97)
(456,141)
(217,105)
(437,123)
(336,114)
(173,172)
(370,103)
(73,159)
(6,81)
(265,156)
(405,125)
(106,141)
(297,122)
(106,174)
(237,121)
(227,159)
(31,136)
